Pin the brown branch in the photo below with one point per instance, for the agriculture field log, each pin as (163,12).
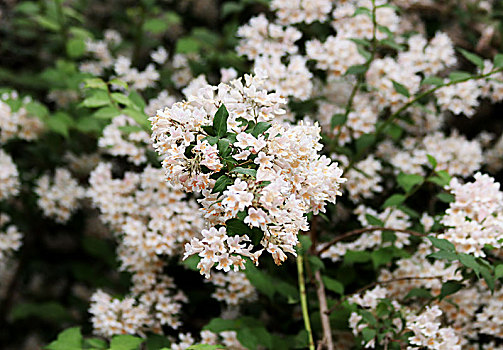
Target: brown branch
(377,283)
(364,230)
(325,320)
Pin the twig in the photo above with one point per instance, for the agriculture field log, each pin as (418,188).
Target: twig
(303,299)
(325,320)
(364,230)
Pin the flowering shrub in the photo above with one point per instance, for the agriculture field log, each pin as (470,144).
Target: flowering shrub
(251,174)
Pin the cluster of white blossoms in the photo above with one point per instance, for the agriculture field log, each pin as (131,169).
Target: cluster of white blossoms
(182,74)
(364,182)
(59,196)
(391,217)
(335,55)
(102,58)
(152,220)
(10,238)
(429,333)
(226,338)
(9,176)
(285,178)
(460,98)
(124,137)
(261,38)
(296,11)
(15,121)
(233,288)
(454,154)
(350,24)
(475,218)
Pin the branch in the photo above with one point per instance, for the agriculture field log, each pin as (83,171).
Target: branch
(377,283)
(303,299)
(364,230)
(325,320)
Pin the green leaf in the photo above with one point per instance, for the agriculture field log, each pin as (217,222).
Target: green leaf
(441,179)
(408,181)
(260,128)
(237,227)
(352,257)
(444,255)
(498,271)
(223,147)
(432,161)
(394,200)
(372,220)
(220,121)
(458,76)
(305,244)
(95,343)
(445,197)
(260,280)
(140,117)
(75,47)
(473,58)
(368,334)
(60,122)
(155,25)
(432,81)
(470,262)
(97,99)
(119,82)
(69,339)
(187,45)
(315,263)
(498,61)
(95,83)
(205,347)
(381,257)
(364,142)
(221,184)
(442,244)
(449,288)
(106,112)
(125,342)
(333,285)
(419,293)
(245,171)
(357,69)
(121,98)
(191,262)
(338,119)
(401,89)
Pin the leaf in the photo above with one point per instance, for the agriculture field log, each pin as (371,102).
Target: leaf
(97,99)
(260,280)
(470,262)
(352,257)
(205,347)
(432,81)
(140,117)
(408,181)
(95,343)
(442,244)
(338,119)
(357,69)
(187,45)
(106,112)
(333,285)
(221,184)
(95,83)
(125,342)
(260,128)
(60,122)
(315,263)
(75,47)
(432,161)
(191,262)
(498,271)
(473,58)
(245,171)
(380,257)
(441,179)
(155,25)
(458,76)
(394,200)
(498,60)
(220,121)
(69,339)
(223,147)
(449,288)
(237,227)
(445,197)
(121,98)
(444,255)
(119,82)
(372,220)
(401,89)
(368,334)
(364,142)
(419,293)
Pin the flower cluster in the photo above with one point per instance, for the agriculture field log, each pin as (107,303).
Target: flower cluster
(10,238)
(233,288)
(15,120)
(59,196)
(475,217)
(9,177)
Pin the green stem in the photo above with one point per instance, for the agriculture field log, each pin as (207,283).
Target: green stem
(303,299)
